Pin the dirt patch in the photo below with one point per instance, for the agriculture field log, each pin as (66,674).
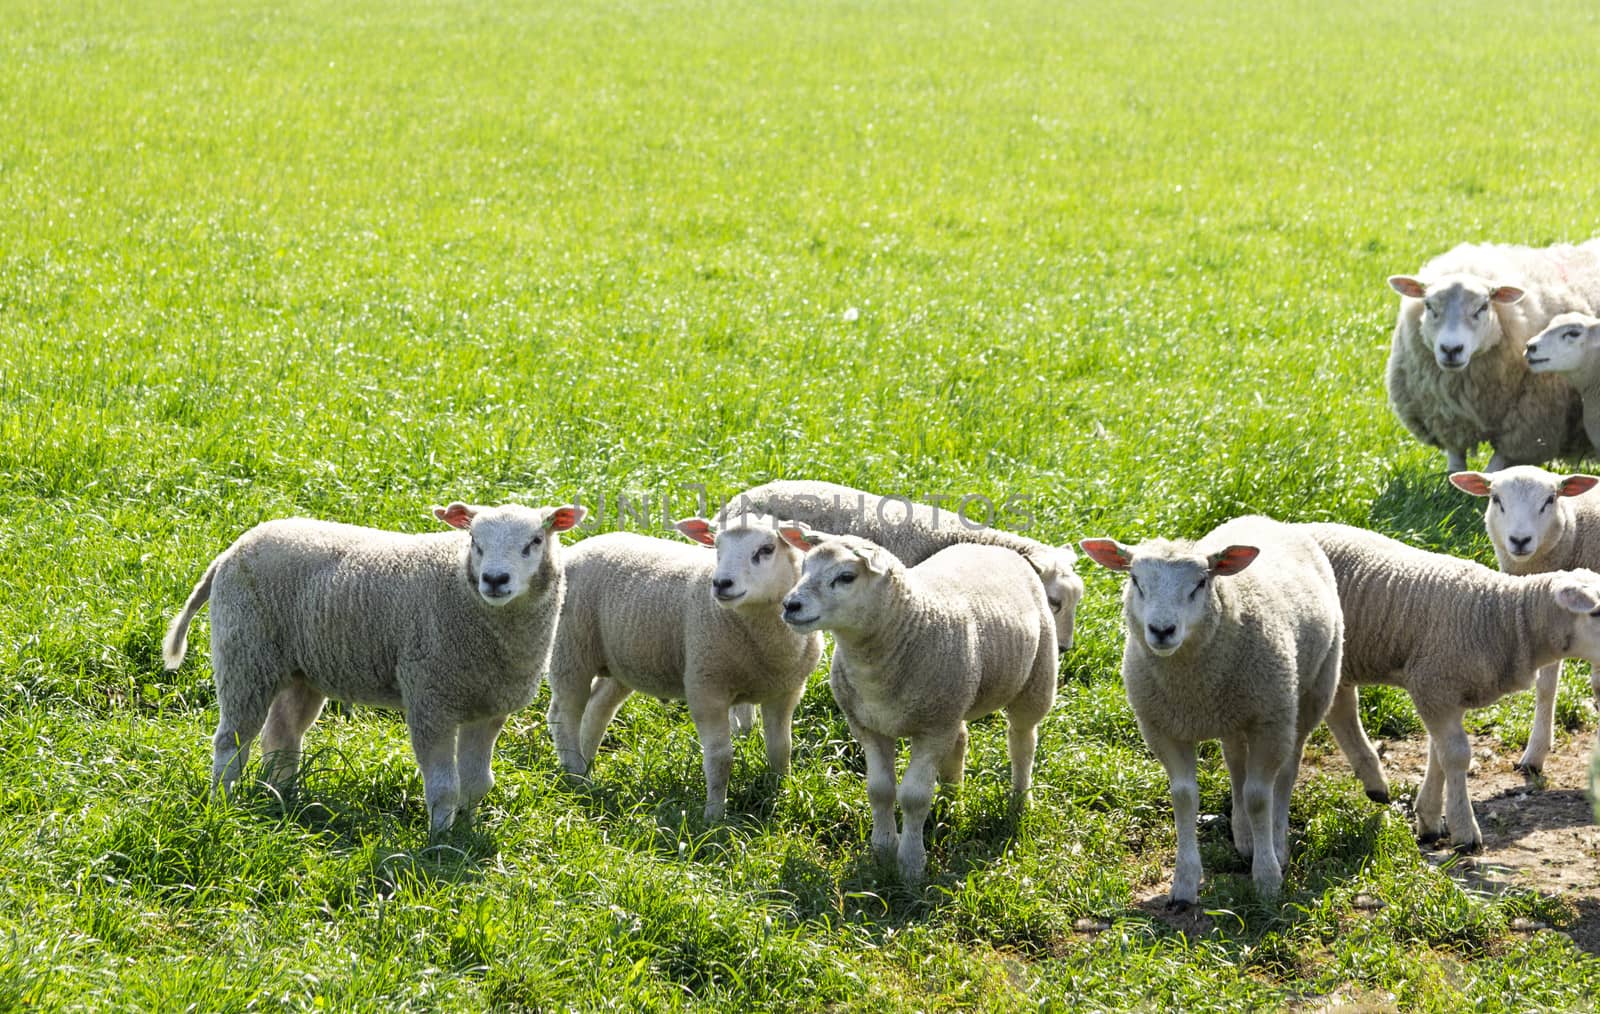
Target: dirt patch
(1539,834)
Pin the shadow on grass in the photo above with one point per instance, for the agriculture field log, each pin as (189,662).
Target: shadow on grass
(1421,508)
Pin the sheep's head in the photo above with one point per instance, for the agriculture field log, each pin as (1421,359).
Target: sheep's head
(1063,588)
(1169,594)
(1458,319)
(843,583)
(1525,513)
(508,545)
(1578,592)
(1568,344)
(755,565)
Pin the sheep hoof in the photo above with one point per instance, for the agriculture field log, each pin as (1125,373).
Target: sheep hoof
(1379,796)
(1429,837)
(1532,771)
(1178,906)
(1470,848)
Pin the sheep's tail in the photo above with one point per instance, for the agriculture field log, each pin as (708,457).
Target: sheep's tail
(176,643)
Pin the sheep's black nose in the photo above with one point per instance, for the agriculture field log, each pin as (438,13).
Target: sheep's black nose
(721,583)
(791,605)
(1162,633)
(1452,351)
(494,582)
(1520,543)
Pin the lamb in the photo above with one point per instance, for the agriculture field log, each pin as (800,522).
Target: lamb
(1454,635)
(1456,376)
(1539,522)
(913,532)
(452,628)
(919,652)
(1216,651)
(1569,347)
(680,623)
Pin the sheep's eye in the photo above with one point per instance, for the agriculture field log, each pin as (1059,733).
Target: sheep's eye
(1547,502)
(1430,309)
(1494,498)
(1055,605)
(477,548)
(1135,582)
(1574,335)
(845,578)
(761,554)
(528,549)
(1198,588)
(1480,311)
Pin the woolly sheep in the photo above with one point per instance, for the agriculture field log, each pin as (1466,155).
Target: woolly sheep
(1215,651)
(915,531)
(919,652)
(452,628)
(680,623)
(1456,376)
(1454,635)
(1569,347)
(1539,522)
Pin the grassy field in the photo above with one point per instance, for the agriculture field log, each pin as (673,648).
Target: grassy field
(1126,260)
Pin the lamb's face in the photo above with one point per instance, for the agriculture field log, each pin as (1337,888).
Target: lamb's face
(1578,592)
(841,585)
(1525,513)
(1170,593)
(1063,588)
(1458,319)
(508,544)
(755,566)
(1568,344)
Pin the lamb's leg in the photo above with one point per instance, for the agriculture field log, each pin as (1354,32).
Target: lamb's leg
(953,766)
(777,731)
(1543,735)
(474,751)
(1262,769)
(244,697)
(1497,461)
(1430,798)
(605,701)
(1236,754)
(1344,721)
(1179,761)
(716,750)
(1452,750)
(434,742)
(916,799)
(879,750)
(569,695)
(1022,744)
(742,718)
(293,711)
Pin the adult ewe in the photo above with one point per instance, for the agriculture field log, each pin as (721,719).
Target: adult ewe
(452,628)
(1216,651)
(1456,375)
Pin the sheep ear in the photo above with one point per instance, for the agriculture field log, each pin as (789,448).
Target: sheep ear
(1507,294)
(698,530)
(799,536)
(1108,553)
(1573,485)
(1475,483)
(457,515)
(565,518)
(1577,598)
(1407,286)
(1230,561)
(877,560)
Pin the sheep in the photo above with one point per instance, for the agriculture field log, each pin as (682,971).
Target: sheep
(919,652)
(1454,635)
(913,532)
(1456,376)
(1539,522)
(1216,651)
(680,623)
(1569,347)
(452,628)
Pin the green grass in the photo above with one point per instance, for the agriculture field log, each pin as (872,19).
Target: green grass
(1126,260)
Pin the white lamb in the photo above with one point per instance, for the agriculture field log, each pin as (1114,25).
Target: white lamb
(1215,651)
(1569,347)
(681,623)
(915,531)
(1539,522)
(1456,375)
(1454,635)
(452,628)
(919,652)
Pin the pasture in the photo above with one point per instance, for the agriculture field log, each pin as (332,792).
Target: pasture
(1120,264)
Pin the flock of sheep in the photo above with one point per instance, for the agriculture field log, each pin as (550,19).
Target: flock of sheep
(1253,634)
